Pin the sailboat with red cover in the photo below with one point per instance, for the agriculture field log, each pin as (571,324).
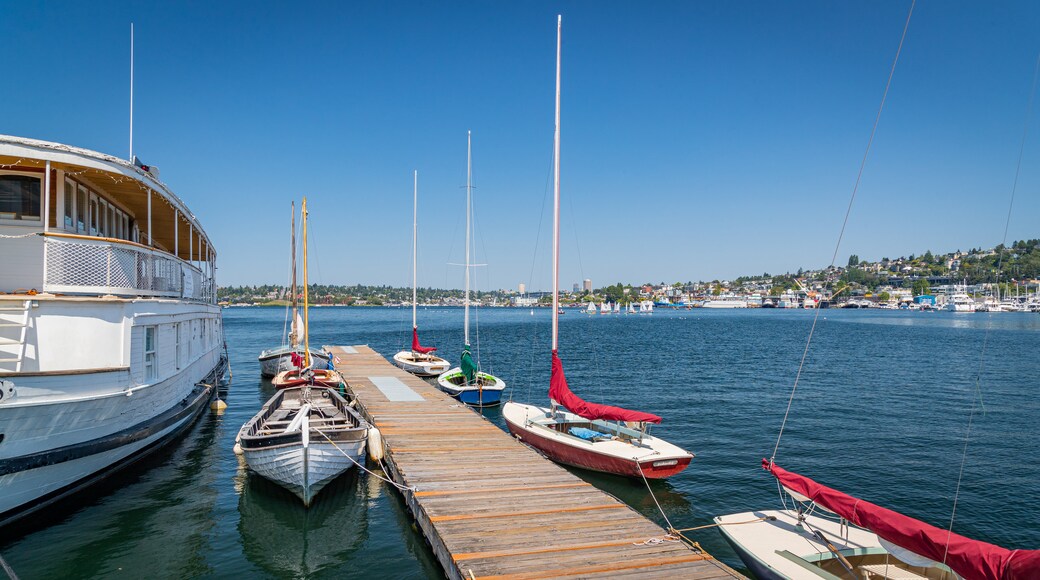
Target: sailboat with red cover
(576,432)
(419,360)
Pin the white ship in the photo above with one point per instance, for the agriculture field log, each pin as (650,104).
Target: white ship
(110,337)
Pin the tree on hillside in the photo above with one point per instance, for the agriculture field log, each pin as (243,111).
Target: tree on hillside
(921,287)
(853,260)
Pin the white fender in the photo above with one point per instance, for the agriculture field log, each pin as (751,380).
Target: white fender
(375,444)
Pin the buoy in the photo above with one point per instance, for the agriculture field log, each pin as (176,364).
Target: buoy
(238,449)
(218,405)
(375,444)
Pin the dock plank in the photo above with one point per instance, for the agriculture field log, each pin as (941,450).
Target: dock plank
(493,508)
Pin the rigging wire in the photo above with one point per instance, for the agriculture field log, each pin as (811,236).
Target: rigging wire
(976,396)
(844,223)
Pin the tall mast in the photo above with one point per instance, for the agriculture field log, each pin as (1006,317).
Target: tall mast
(295,338)
(415,233)
(556,194)
(306,334)
(469,194)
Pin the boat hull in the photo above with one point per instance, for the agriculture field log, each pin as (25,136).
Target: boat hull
(34,481)
(489,394)
(421,365)
(278,360)
(305,471)
(296,378)
(572,451)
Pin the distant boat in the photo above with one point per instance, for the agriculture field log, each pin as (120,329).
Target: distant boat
(467,382)
(276,360)
(304,371)
(591,309)
(303,438)
(959,301)
(617,308)
(646,307)
(418,360)
(604,308)
(725,302)
(590,436)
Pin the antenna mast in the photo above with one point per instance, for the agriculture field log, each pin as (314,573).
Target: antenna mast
(131,92)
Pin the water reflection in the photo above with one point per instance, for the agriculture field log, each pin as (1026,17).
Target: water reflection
(283,538)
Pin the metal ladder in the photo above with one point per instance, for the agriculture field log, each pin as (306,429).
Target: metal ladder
(9,307)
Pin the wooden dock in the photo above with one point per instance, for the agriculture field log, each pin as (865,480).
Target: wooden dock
(491,507)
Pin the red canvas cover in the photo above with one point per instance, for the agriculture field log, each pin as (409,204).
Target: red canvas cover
(968,558)
(416,347)
(561,393)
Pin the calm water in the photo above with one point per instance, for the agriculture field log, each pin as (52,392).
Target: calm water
(881,412)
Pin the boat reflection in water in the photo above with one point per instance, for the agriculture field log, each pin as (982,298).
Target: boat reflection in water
(285,539)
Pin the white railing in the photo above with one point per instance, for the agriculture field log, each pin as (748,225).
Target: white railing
(78,265)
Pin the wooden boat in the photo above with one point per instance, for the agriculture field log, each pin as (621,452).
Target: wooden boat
(118,347)
(467,382)
(418,360)
(596,437)
(276,360)
(303,372)
(303,438)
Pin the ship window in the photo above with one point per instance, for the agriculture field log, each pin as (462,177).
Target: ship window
(94,215)
(70,205)
(19,197)
(81,210)
(150,370)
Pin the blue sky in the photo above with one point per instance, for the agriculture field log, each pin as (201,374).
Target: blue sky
(701,140)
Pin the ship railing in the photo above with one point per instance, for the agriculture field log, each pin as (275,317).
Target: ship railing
(75,264)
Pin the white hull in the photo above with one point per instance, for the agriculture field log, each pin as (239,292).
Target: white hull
(628,453)
(422,365)
(487,393)
(275,361)
(782,548)
(725,304)
(305,471)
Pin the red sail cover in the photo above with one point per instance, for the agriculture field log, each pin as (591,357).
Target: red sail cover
(968,558)
(561,393)
(418,347)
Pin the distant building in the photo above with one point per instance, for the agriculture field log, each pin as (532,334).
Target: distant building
(521,288)
(587,285)
(576,287)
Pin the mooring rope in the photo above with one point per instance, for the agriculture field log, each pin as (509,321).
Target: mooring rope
(844,223)
(366,470)
(8,569)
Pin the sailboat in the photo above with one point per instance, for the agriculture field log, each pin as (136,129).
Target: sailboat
(617,308)
(418,360)
(631,308)
(467,382)
(604,308)
(830,534)
(595,437)
(304,371)
(591,308)
(276,360)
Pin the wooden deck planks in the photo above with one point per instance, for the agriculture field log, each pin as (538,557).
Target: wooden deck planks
(492,508)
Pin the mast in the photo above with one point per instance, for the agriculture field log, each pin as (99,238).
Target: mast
(306,335)
(556,195)
(469,194)
(294,337)
(415,233)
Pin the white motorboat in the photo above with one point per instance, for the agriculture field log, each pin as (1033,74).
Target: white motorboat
(111,340)
(960,302)
(418,360)
(303,438)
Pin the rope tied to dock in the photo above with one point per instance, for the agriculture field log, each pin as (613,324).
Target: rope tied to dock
(366,470)
(657,541)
